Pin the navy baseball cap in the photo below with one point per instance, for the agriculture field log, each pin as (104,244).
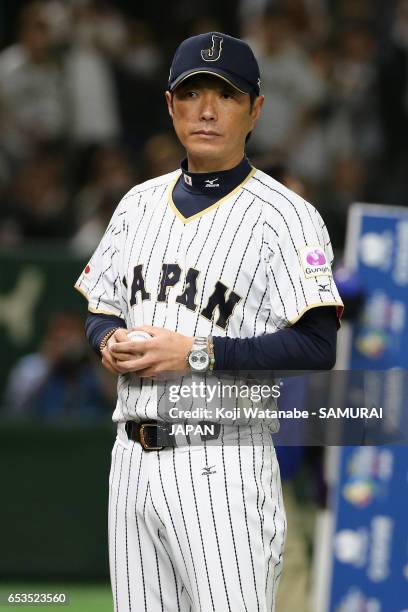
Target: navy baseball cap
(215,53)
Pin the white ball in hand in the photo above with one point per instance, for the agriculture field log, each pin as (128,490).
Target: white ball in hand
(137,336)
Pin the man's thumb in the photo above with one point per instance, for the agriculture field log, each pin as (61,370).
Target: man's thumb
(120,335)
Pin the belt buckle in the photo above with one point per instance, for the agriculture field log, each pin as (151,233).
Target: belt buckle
(143,441)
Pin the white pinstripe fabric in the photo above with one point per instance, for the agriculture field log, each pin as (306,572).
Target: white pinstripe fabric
(250,243)
(181,540)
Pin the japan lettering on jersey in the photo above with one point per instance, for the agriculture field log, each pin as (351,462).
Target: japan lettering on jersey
(252,263)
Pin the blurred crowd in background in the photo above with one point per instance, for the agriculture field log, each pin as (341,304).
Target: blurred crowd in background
(82,113)
(83,119)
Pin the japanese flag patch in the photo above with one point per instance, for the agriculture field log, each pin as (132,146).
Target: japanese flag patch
(314,261)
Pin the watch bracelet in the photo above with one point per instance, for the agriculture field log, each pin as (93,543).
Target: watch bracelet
(210,344)
(106,337)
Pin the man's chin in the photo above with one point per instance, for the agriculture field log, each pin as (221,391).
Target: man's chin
(206,149)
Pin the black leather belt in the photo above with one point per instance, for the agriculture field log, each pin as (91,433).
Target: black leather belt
(153,435)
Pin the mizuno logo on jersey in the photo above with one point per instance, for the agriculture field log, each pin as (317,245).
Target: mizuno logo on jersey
(212,183)
(187,179)
(208,469)
(221,301)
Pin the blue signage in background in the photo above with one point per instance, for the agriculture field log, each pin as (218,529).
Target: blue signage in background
(369,549)
(370,556)
(377,249)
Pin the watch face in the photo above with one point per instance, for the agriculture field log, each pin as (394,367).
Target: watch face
(199,361)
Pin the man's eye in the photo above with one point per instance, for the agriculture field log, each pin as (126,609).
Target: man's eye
(227,95)
(186,94)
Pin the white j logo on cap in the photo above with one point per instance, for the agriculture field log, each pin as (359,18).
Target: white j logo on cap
(213,54)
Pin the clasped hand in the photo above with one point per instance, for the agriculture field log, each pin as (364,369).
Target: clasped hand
(166,351)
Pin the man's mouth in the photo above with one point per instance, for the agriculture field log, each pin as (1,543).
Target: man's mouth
(208,133)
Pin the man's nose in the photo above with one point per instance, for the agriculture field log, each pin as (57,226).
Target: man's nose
(208,109)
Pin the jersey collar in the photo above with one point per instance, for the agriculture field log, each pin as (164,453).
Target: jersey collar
(214,184)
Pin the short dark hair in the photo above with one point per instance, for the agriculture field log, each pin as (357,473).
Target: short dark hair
(252,97)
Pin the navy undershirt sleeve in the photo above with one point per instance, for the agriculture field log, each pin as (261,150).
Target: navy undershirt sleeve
(98,325)
(310,344)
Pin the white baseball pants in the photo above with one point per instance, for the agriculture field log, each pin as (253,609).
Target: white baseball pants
(195,529)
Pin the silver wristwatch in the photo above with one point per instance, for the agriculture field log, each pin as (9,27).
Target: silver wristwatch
(199,358)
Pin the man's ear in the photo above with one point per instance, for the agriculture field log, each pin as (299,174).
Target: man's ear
(256,110)
(169,100)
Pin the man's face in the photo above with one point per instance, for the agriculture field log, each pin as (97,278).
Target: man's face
(212,119)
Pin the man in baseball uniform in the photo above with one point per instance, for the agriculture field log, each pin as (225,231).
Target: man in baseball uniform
(222,268)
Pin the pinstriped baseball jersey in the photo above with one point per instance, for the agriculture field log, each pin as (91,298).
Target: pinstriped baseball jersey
(250,264)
